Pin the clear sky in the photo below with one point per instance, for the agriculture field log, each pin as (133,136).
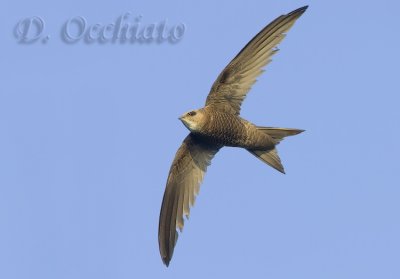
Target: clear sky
(88,131)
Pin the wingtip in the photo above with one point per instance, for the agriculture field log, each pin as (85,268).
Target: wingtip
(303,9)
(166,261)
(300,11)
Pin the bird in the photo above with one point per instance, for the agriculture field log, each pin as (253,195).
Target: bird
(219,124)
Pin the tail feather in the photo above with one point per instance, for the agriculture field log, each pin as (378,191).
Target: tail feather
(278,134)
(271,156)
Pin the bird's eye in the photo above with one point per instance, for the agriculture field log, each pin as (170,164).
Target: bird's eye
(192,113)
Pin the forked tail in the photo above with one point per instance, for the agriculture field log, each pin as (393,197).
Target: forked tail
(271,156)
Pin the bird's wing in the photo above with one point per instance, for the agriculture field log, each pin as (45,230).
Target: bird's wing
(235,81)
(183,183)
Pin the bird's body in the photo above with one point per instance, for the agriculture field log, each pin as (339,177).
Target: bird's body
(226,129)
(219,124)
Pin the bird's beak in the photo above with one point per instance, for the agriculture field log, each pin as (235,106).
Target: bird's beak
(181,117)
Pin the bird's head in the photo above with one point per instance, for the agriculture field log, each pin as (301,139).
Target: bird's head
(193,120)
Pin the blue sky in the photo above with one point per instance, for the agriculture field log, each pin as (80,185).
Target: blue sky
(88,132)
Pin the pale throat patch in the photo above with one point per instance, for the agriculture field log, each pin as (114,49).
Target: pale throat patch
(191,125)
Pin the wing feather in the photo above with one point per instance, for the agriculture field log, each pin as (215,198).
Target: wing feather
(234,82)
(183,184)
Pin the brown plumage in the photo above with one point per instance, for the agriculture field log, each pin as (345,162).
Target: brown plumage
(218,124)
